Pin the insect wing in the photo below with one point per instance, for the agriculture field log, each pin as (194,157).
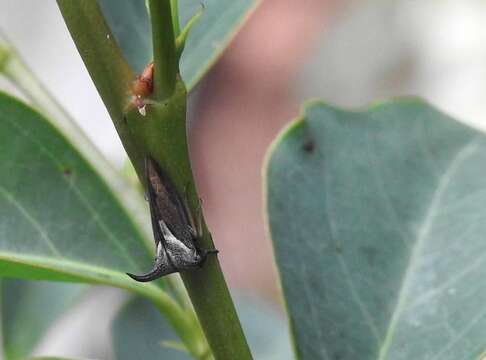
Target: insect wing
(182,256)
(154,215)
(167,205)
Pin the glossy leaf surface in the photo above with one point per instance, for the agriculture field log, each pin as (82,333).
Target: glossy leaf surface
(221,19)
(29,308)
(130,24)
(59,220)
(208,39)
(140,332)
(377,220)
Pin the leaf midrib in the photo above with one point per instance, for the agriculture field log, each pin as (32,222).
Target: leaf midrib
(35,224)
(423,232)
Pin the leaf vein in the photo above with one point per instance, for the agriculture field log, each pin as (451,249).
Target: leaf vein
(423,232)
(35,224)
(95,214)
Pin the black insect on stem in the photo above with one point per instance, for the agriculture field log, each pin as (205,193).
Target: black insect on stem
(175,231)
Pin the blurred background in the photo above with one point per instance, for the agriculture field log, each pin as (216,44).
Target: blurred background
(347,52)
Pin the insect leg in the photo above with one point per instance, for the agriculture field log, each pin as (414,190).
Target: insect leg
(204,255)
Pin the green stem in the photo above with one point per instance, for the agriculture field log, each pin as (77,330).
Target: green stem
(174,6)
(164,138)
(17,72)
(108,69)
(112,77)
(162,135)
(165,55)
(215,310)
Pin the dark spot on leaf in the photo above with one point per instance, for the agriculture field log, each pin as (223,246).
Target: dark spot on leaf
(339,249)
(309,146)
(337,356)
(370,254)
(67,172)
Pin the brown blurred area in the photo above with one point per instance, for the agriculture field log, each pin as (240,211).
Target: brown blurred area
(241,107)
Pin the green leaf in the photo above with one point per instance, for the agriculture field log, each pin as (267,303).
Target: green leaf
(28,309)
(140,332)
(187,9)
(59,220)
(162,135)
(51,358)
(221,20)
(265,329)
(377,223)
(211,35)
(129,23)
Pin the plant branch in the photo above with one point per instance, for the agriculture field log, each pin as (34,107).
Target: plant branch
(165,140)
(162,135)
(108,69)
(174,7)
(165,55)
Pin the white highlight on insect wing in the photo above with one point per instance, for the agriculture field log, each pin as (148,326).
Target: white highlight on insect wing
(142,110)
(170,238)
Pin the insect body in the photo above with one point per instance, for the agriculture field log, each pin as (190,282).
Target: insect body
(175,231)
